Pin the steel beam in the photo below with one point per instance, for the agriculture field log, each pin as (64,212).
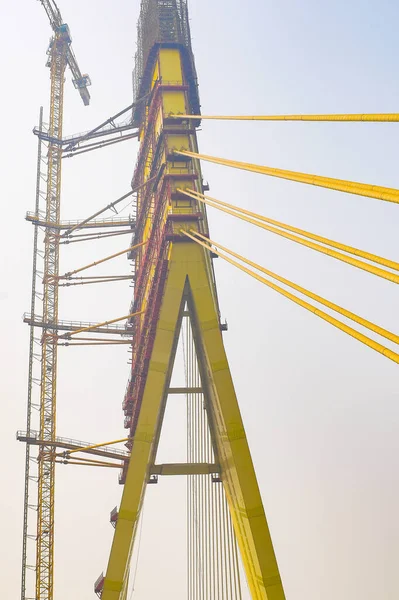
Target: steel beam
(185,469)
(32,439)
(36,321)
(185,390)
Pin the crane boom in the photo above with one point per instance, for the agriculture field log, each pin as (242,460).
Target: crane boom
(79,80)
(53,13)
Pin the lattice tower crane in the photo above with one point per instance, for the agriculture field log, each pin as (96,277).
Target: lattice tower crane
(81,82)
(60,55)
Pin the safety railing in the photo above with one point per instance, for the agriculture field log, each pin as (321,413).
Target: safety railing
(34,435)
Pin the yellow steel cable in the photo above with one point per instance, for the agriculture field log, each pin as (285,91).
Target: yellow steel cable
(74,239)
(193,455)
(91,327)
(95,462)
(367,117)
(207,503)
(341,185)
(326,317)
(227,566)
(188,479)
(338,255)
(99,262)
(112,206)
(69,344)
(90,339)
(203,490)
(220,536)
(99,234)
(346,313)
(194,479)
(93,446)
(201,495)
(391,264)
(233,590)
(108,280)
(213,534)
(191,458)
(100,277)
(75,462)
(183,333)
(237,570)
(200,483)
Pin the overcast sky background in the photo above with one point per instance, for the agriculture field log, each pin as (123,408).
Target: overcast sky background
(321,411)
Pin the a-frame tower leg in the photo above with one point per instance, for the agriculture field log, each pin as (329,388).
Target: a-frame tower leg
(188,280)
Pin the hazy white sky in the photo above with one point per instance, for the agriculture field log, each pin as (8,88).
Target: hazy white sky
(321,411)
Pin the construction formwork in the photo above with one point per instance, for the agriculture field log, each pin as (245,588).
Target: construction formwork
(162,23)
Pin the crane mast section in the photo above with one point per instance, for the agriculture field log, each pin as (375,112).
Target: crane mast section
(170,274)
(59,56)
(45,521)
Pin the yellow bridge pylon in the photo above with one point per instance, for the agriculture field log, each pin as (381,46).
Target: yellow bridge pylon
(174,278)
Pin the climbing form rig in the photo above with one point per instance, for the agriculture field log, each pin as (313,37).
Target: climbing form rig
(174,276)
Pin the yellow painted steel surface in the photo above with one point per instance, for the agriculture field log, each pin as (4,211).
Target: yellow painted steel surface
(346,313)
(340,185)
(188,263)
(391,264)
(394,356)
(170,68)
(344,118)
(174,99)
(189,279)
(338,255)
